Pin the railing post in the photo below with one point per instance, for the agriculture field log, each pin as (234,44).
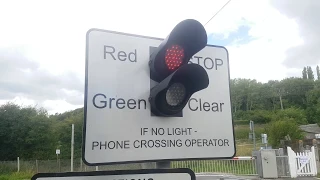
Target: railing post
(72,145)
(37,166)
(313,161)
(18,164)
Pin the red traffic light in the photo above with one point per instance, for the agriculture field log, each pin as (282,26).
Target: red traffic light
(186,39)
(174,57)
(176,79)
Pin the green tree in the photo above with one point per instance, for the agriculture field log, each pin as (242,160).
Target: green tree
(236,95)
(280,91)
(39,141)
(260,116)
(294,91)
(318,73)
(310,73)
(304,73)
(277,130)
(313,106)
(24,132)
(265,97)
(293,114)
(245,94)
(63,132)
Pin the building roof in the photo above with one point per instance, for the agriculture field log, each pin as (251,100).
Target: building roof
(310,128)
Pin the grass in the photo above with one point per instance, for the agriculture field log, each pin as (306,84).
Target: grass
(17,176)
(244,145)
(244,149)
(242,131)
(8,167)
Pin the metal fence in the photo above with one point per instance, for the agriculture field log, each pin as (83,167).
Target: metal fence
(228,166)
(48,166)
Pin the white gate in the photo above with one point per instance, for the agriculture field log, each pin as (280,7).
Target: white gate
(302,163)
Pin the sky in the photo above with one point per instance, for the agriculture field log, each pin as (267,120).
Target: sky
(42,43)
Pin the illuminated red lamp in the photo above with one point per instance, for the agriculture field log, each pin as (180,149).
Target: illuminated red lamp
(174,57)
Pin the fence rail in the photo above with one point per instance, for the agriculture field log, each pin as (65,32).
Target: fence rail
(229,166)
(240,166)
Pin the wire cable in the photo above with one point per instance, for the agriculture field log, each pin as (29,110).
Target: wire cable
(217,12)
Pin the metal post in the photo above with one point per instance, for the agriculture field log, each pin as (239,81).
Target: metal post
(58,161)
(253,135)
(163,165)
(80,164)
(97,168)
(72,145)
(18,159)
(37,166)
(59,165)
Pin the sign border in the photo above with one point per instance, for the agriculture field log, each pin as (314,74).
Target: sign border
(116,172)
(85,106)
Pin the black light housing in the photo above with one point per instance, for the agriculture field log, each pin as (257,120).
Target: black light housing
(193,77)
(188,35)
(177,79)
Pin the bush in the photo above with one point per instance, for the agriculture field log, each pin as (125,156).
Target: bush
(313,113)
(293,114)
(240,115)
(241,122)
(277,130)
(258,116)
(262,116)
